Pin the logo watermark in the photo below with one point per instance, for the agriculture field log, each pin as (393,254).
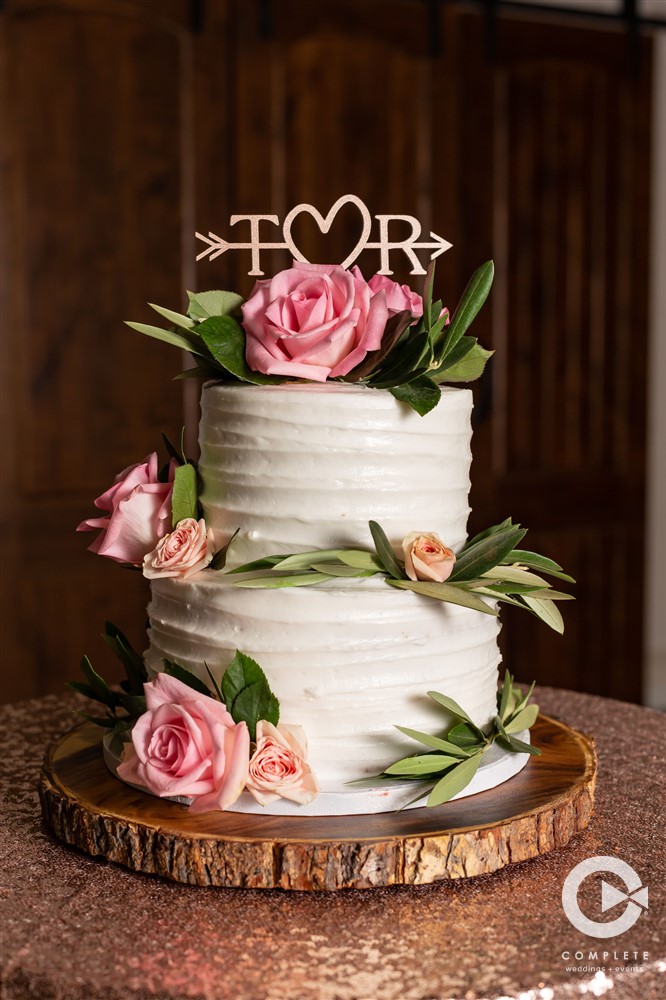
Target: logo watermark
(635,897)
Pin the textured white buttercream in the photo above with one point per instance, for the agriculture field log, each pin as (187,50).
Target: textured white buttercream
(306,467)
(348,661)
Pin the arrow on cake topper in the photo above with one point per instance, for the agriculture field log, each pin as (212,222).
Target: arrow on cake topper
(216,245)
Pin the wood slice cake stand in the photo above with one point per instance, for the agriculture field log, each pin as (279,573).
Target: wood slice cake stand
(538,810)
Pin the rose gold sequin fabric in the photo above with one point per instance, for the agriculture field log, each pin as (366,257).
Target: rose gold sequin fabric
(76,928)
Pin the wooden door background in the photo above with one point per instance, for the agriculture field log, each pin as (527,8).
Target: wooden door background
(128,124)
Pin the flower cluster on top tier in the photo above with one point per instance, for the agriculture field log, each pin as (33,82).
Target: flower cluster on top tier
(320,321)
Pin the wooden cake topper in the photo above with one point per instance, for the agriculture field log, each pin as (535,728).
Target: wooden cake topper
(217,246)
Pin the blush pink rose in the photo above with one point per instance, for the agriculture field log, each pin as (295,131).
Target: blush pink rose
(187,744)
(427,558)
(138,509)
(182,553)
(278,769)
(398,297)
(314,321)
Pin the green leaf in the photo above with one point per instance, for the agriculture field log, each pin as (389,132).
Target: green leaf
(521,702)
(215,303)
(430,763)
(254,703)
(445,592)
(102,691)
(344,572)
(247,693)
(426,297)
(100,720)
(541,563)
(462,348)
(359,559)
(134,704)
(174,317)
(468,369)
(477,559)
(267,562)
(277,582)
(546,610)
(168,337)
(513,745)
(241,673)
(385,552)
(422,394)
(174,669)
(85,689)
(455,781)
(135,668)
(225,339)
(219,560)
(210,372)
(493,530)
(393,331)
(185,496)
(507,688)
(473,297)
(303,560)
(512,574)
(524,719)
(433,741)
(451,706)
(172,451)
(216,687)
(409,362)
(466,736)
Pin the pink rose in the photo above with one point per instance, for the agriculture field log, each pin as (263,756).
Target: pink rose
(398,297)
(187,744)
(139,513)
(184,552)
(315,321)
(427,558)
(278,768)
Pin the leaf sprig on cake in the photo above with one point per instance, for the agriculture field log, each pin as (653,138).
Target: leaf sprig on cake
(297,327)
(489,569)
(454,756)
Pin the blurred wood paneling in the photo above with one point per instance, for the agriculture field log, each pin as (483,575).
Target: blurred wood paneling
(129,124)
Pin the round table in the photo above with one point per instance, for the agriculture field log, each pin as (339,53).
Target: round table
(76,928)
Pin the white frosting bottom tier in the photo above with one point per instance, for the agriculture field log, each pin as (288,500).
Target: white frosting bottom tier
(347,660)
(496,767)
(299,467)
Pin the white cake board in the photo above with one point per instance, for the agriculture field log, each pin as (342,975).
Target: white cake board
(497,767)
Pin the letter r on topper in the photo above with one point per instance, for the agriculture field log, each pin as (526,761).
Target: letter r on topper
(216,245)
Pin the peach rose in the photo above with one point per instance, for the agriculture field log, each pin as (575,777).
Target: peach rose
(138,513)
(426,557)
(187,744)
(315,321)
(183,552)
(277,767)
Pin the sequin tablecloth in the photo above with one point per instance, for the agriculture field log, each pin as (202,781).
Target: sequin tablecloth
(76,928)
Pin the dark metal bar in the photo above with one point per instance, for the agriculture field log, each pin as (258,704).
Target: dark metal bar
(593,14)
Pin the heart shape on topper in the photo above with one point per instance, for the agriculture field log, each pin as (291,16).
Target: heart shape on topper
(326,223)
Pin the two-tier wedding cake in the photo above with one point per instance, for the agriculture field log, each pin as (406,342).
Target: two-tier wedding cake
(323,635)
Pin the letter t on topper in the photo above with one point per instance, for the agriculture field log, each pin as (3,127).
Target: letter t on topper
(255,245)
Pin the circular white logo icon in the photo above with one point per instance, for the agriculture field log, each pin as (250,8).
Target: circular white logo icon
(636,897)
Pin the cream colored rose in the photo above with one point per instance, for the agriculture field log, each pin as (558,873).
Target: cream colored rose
(277,767)
(426,557)
(182,553)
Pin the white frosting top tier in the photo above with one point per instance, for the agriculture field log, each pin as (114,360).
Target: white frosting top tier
(302,466)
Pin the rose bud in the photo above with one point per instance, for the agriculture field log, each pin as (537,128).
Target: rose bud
(427,558)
